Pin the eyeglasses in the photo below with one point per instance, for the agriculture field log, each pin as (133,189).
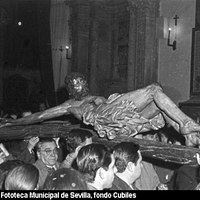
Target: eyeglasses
(49,151)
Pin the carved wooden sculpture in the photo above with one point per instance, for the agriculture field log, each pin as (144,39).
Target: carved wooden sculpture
(140,111)
(121,114)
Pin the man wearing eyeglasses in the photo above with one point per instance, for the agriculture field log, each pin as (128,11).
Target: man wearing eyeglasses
(47,154)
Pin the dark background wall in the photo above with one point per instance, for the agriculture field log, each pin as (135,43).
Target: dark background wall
(26,54)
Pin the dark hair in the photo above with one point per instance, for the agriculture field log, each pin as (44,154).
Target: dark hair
(76,137)
(92,157)
(64,179)
(23,177)
(124,153)
(5,167)
(198,175)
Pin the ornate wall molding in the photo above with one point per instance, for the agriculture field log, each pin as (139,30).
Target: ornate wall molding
(116,40)
(143,14)
(80,13)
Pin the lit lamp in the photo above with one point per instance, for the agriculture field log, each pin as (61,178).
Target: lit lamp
(67,52)
(173,45)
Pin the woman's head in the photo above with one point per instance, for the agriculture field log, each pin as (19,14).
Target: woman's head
(64,179)
(92,157)
(23,177)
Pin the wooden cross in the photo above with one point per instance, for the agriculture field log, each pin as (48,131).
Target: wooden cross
(176,19)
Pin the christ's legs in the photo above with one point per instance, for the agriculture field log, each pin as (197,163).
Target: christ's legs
(151,99)
(186,124)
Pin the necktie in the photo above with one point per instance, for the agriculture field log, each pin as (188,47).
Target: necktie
(51,168)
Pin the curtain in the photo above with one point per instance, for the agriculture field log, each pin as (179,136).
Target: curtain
(59,16)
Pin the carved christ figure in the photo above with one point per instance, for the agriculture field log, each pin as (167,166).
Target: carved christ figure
(125,114)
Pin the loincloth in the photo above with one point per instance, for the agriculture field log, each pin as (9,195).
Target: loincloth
(119,117)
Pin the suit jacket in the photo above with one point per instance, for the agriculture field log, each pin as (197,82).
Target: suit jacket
(69,160)
(185,178)
(26,156)
(119,184)
(148,179)
(44,171)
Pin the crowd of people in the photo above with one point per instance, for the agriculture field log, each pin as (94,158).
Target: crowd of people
(86,165)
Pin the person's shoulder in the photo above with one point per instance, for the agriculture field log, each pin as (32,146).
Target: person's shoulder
(119,184)
(186,169)
(39,164)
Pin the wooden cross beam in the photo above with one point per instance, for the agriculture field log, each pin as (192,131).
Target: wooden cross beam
(158,150)
(167,152)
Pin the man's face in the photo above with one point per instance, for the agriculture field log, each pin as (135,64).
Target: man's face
(48,153)
(110,174)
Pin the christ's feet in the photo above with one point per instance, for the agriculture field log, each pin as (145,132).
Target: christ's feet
(192,139)
(190,127)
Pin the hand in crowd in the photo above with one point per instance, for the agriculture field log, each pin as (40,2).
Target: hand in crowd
(162,186)
(198,158)
(57,141)
(3,153)
(32,142)
(2,157)
(198,187)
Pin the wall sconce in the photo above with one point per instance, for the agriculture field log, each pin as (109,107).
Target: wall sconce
(61,49)
(67,52)
(173,45)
